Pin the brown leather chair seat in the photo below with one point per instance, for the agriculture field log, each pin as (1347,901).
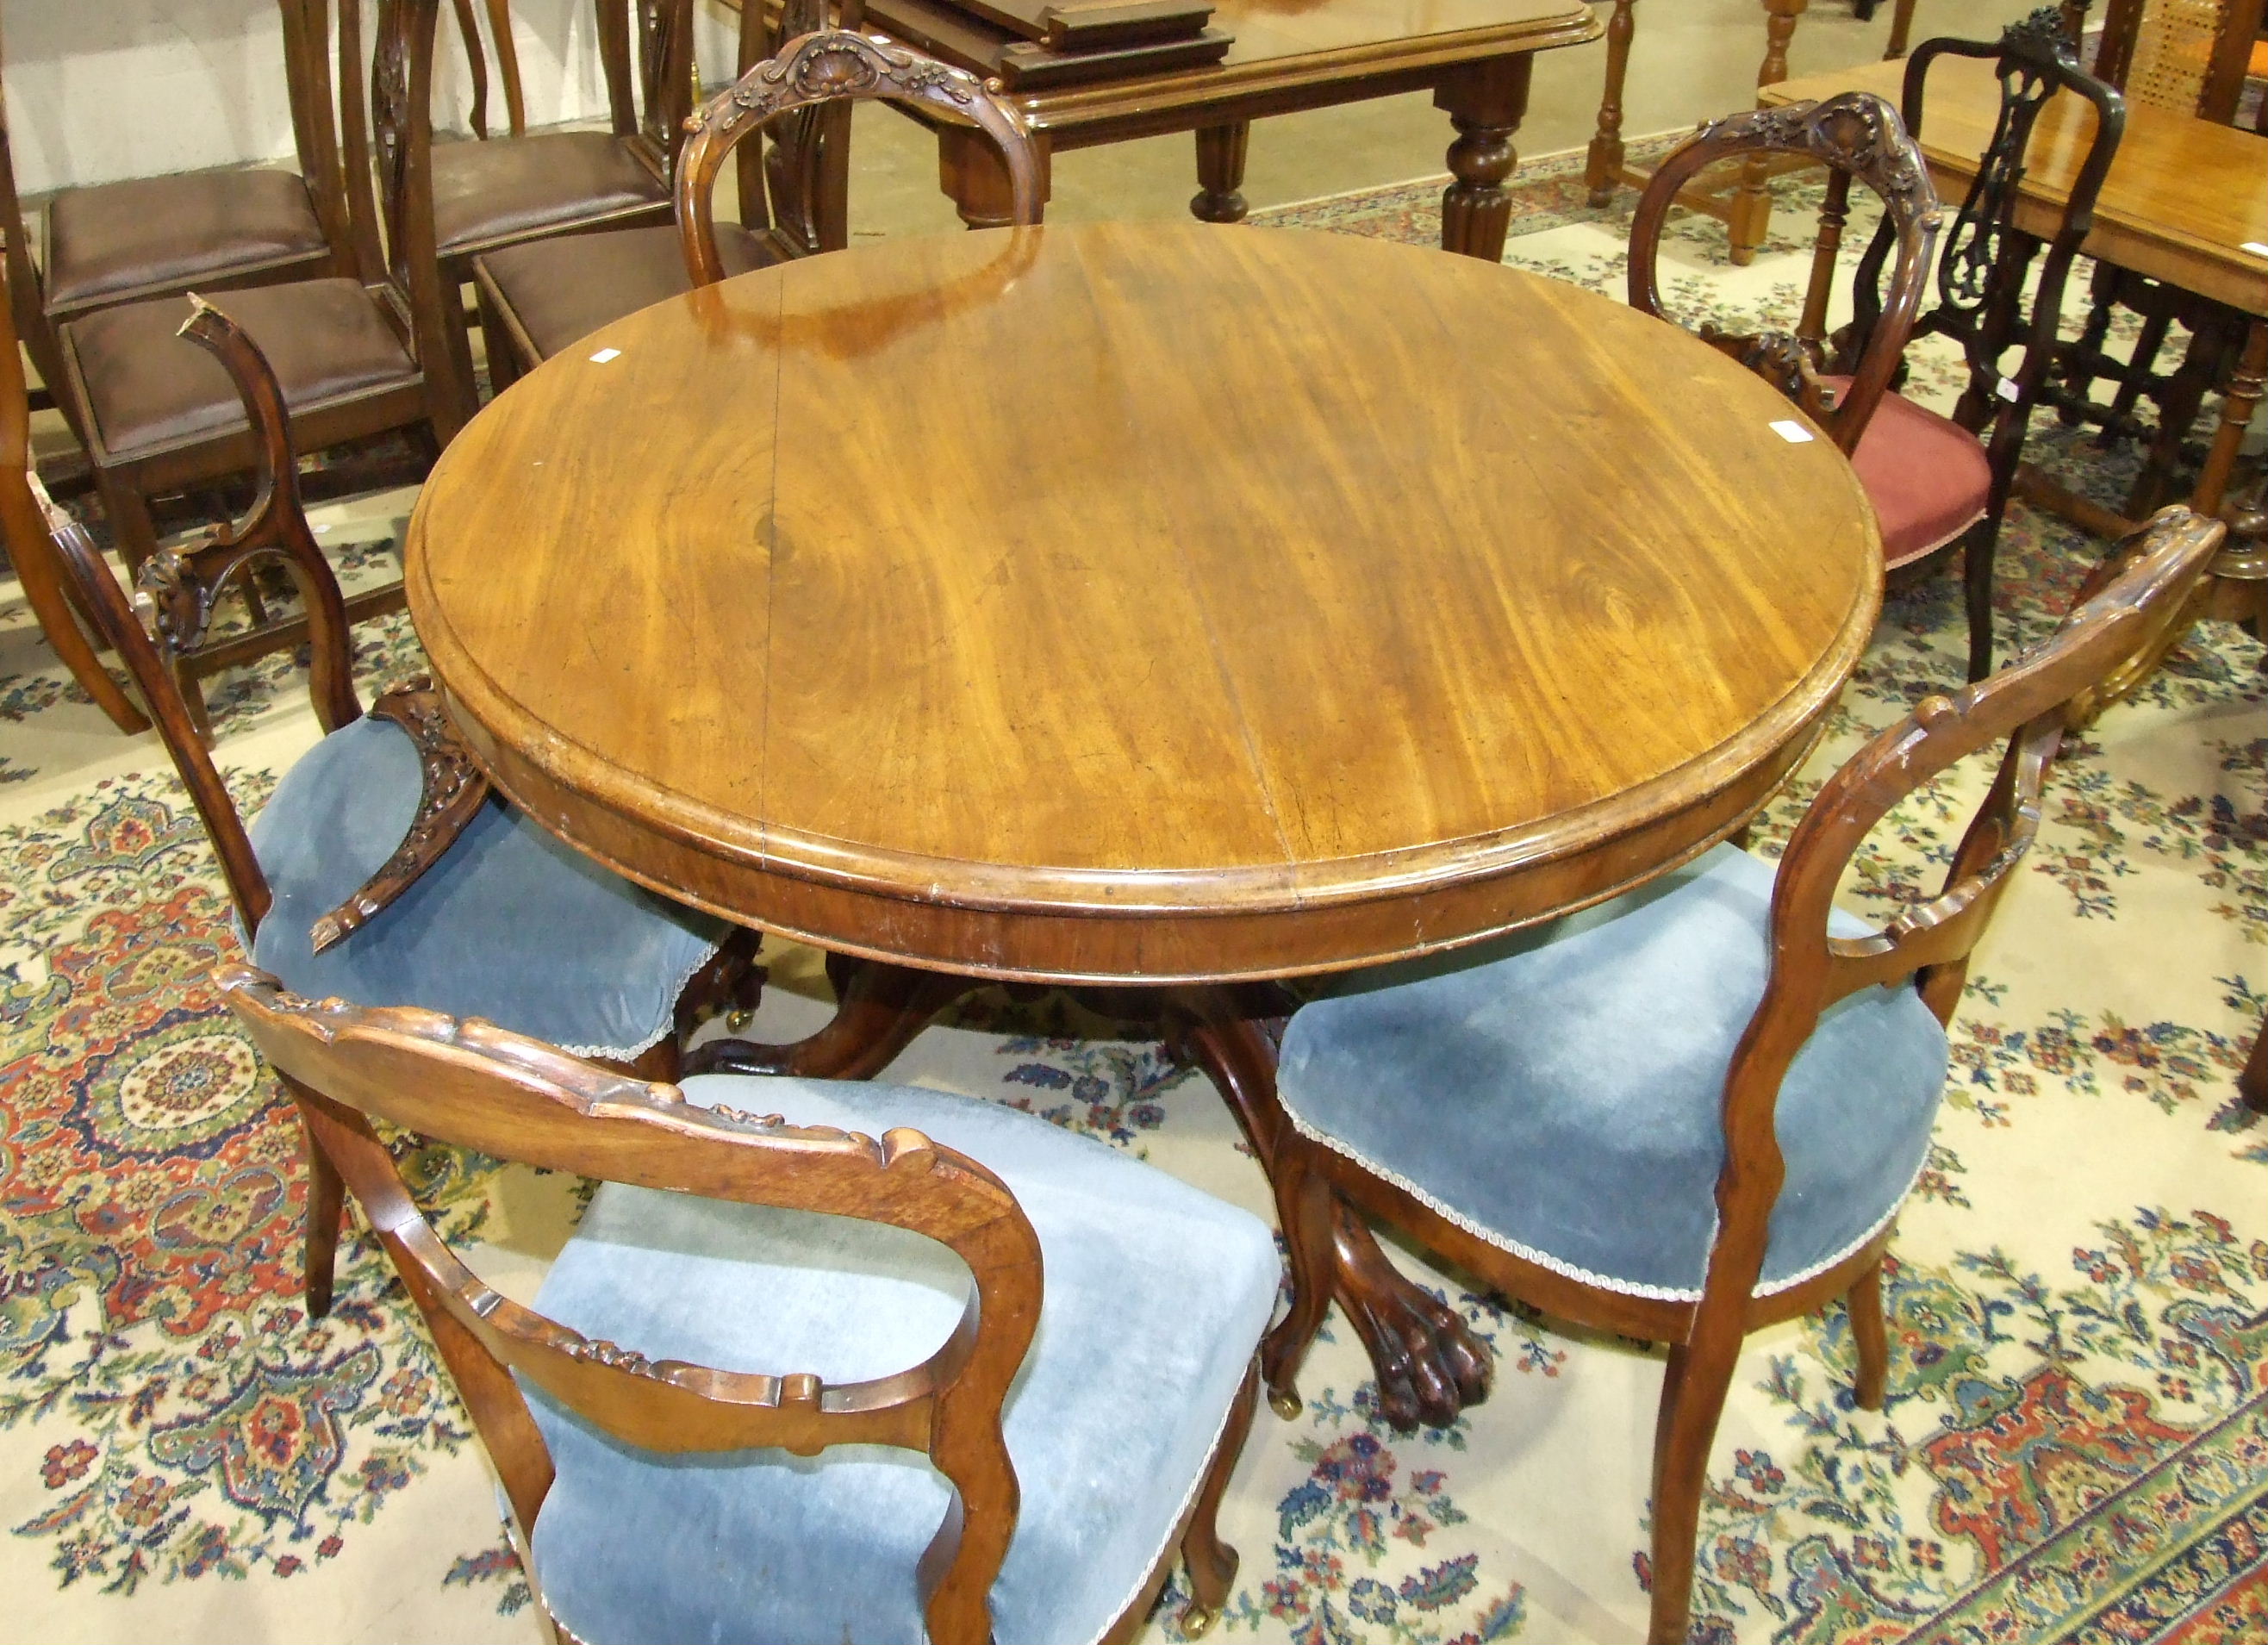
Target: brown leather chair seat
(488,192)
(560,291)
(113,239)
(146,388)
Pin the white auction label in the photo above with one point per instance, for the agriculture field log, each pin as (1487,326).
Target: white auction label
(604,355)
(1794,433)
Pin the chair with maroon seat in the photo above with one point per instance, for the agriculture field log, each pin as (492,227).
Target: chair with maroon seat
(538,300)
(1857,137)
(104,244)
(1983,297)
(448,202)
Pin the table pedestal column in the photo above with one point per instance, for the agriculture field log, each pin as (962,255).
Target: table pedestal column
(1427,1360)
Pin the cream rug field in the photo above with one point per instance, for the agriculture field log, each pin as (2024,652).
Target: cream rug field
(2076,1443)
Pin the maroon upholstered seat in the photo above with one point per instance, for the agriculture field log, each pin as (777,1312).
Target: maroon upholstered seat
(113,239)
(485,193)
(146,388)
(1926,475)
(557,292)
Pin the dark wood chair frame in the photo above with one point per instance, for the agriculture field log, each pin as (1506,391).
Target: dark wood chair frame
(155,635)
(648,108)
(1982,273)
(315,141)
(2216,332)
(1926,947)
(472,1084)
(126,484)
(29,523)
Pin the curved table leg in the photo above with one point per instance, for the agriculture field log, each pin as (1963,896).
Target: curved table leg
(879,1009)
(1429,1364)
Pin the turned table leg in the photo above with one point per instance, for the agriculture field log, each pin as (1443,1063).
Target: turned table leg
(1602,167)
(975,174)
(1750,218)
(1486,103)
(1221,173)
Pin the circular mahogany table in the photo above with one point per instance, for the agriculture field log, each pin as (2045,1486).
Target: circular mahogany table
(1147,605)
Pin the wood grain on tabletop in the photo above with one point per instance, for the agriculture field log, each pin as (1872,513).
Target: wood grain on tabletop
(1143,569)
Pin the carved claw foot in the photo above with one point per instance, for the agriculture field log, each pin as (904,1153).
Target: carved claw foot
(1429,1364)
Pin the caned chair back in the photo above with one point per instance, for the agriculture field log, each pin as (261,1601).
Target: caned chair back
(1859,136)
(2188,56)
(2124,609)
(178,588)
(834,66)
(474,1086)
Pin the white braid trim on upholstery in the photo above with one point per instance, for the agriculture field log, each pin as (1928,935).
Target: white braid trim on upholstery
(1600,1281)
(616,1053)
(1174,1524)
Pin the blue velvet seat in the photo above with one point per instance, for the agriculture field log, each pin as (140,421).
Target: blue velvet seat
(510,925)
(1156,1295)
(1556,1093)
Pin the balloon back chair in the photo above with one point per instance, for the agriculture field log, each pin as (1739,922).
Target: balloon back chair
(381,869)
(540,300)
(885,1363)
(1696,1110)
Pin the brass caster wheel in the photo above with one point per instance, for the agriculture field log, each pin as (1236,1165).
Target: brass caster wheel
(737,1020)
(1285,1403)
(1197,1621)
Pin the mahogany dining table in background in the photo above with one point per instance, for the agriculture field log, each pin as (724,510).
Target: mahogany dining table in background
(1160,610)
(1476,56)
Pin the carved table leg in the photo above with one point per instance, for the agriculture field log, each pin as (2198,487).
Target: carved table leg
(1428,1363)
(1750,220)
(879,1010)
(1602,167)
(1221,173)
(972,171)
(1486,103)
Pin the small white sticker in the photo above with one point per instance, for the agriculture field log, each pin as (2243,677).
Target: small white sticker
(319,530)
(2257,248)
(2008,391)
(1794,433)
(604,355)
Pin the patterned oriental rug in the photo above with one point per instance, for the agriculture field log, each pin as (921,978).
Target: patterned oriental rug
(2076,1441)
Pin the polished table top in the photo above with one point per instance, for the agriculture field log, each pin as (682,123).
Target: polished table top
(1153,601)
(2184,199)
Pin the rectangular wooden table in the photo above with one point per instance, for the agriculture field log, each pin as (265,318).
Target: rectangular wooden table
(1476,56)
